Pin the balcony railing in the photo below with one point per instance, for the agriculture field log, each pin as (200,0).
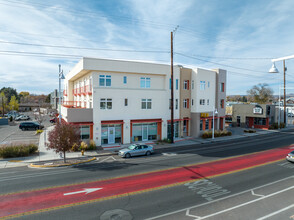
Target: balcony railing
(74,104)
(64,92)
(74,91)
(88,90)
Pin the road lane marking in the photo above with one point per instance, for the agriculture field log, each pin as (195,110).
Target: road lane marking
(275,213)
(254,194)
(86,191)
(218,200)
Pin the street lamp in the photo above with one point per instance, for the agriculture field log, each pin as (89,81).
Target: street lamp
(213,112)
(274,69)
(61,76)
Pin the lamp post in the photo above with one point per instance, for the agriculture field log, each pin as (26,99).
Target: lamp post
(213,112)
(61,76)
(273,69)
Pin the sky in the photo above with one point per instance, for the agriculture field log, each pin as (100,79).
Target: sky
(239,36)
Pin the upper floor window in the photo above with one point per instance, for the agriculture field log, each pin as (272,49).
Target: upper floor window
(177,84)
(105,80)
(126,102)
(146,103)
(186,84)
(186,103)
(202,85)
(222,87)
(145,82)
(177,103)
(192,84)
(202,101)
(207,101)
(105,103)
(125,80)
(222,103)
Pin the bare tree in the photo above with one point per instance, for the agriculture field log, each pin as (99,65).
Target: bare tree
(260,93)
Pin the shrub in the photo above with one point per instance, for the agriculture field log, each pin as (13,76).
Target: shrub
(18,150)
(92,145)
(252,131)
(217,133)
(83,146)
(39,131)
(75,147)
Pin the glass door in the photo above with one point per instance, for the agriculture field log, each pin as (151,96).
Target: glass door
(111,135)
(144,132)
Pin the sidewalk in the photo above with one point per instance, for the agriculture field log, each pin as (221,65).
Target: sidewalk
(47,155)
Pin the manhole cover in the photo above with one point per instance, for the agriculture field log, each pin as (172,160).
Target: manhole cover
(116,214)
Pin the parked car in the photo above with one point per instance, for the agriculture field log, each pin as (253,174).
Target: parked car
(290,156)
(290,114)
(30,126)
(22,117)
(136,150)
(53,120)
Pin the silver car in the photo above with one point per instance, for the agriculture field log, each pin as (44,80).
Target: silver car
(136,150)
(290,156)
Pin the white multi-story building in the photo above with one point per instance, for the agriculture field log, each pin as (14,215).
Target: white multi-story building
(115,101)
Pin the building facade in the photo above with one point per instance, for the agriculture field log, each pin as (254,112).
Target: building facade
(115,101)
(255,115)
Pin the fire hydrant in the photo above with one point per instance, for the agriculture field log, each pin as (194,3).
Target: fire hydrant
(83,152)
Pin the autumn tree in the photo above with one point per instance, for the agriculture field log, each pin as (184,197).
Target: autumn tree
(3,101)
(63,137)
(13,104)
(260,93)
(9,92)
(23,96)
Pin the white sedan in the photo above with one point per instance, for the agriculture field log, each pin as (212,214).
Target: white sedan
(22,117)
(290,157)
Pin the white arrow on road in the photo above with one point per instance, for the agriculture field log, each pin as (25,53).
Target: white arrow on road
(83,191)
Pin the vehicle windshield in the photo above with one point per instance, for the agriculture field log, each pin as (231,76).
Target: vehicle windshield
(132,147)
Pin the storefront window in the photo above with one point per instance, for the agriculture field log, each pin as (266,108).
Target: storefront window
(206,124)
(201,125)
(144,132)
(176,130)
(260,121)
(85,132)
(105,138)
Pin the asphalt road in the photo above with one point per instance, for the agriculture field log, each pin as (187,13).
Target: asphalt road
(192,200)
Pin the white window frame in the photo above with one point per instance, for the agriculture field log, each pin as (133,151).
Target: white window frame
(105,78)
(202,85)
(146,103)
(107,103)
(185,84)
(145,82)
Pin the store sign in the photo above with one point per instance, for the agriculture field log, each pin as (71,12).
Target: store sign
(257,110)
(204,115)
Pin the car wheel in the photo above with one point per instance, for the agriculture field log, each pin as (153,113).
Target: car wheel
(148,153)
(23,129)
(127,155)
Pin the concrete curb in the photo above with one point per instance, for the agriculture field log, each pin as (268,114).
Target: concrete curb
(59,165)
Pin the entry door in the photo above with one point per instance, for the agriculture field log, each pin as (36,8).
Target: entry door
(144,132)
(111,135)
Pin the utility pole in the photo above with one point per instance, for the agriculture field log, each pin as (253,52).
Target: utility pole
(172,83)
(172,86)
(284,92)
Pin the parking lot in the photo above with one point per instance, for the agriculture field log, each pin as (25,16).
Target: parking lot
(11,134)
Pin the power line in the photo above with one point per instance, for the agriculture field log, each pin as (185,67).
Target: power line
(84,48)
(192,57)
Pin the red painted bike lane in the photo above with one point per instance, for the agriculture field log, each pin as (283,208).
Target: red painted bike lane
(27,202)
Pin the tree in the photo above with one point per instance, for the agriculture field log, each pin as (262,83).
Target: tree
(13,104)
(9,92)
(48,98)
(63,137)
(23,96)
(260,93)
(3,101)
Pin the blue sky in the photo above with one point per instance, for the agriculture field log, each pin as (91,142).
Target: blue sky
(239,36)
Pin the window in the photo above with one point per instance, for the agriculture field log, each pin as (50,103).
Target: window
(222,87)
(222,103)
(186,103)
(202,85)
(126,102)
(125,80)
(177,84)
(105,103)
(192,101)
(192,84)
(105,80)
(207,101)
(206,124)
(202,101)
(146,103)
(177,103)
(184,126)
(170,83)
(145,82)
(201,125)
(208,84)
(186,84)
